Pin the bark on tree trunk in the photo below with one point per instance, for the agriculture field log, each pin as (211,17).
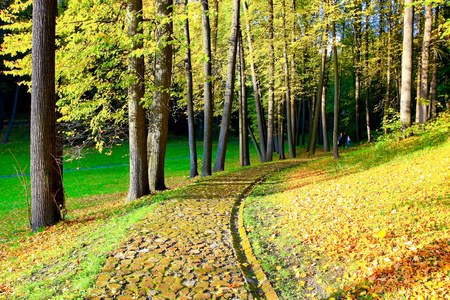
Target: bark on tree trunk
(281,128)
(423,115)
(243,89)
(137,119)
(209,101)
(407,64)
(159,123)
(387,101)
(336,94)
(271,101)
(317,106)
(419,67)
(357,82)
(189,97)
(369,136)
(287,80)
(229,91)
(433,87)
(45,183)
(326,144)
(256,89)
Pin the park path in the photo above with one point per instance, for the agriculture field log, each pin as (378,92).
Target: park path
(184,248)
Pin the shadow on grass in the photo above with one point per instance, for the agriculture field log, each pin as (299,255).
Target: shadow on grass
(422,272)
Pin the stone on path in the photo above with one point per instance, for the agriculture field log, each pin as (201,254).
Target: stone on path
(183,249)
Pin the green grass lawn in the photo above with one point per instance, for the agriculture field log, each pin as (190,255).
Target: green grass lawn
(84,178)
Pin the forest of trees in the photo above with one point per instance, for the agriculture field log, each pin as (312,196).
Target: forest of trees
(267,71)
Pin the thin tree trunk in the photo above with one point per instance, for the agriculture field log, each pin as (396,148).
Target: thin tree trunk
(425,63)
(159,122)
(45,184)
(336,93)
(243,89)
(287,80)
(317,106)
(357,35)
(303,103)
(387,101)
(369,136)
(326,144)
(252,135)
(259,114)
(433,87)
(281,128)
(209,101)
(270,104)
(137,120)
(407,64)
(419,67)
(189,97)
(229,91)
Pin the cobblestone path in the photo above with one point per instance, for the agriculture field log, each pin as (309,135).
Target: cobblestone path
(184,248)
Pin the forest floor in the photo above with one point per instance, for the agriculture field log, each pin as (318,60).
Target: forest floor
(372,225)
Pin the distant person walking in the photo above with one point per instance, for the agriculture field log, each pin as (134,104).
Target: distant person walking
(340,140)
(348,141)
(344,139)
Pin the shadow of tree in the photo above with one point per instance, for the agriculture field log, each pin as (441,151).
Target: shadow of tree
(423,272)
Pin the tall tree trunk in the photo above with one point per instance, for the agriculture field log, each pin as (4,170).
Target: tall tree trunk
(2,101)
(423,115)
(407,64)
(433,87)
(243,106)
(281,128)
(326,144)
(137,119)
(45,184)
(303,103)
(336,93)
(287,80)
(159,122)
(387,101)
(357,35)
(189,97)
(317,106)
(419,67)
(256,89)
(369,136)
(219,165)
(270,104)
(208,98)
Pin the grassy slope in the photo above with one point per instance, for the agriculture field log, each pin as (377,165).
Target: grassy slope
(374,224)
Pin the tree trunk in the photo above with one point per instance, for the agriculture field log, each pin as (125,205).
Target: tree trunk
(219,165)
(407,64)
(317,106)
(303,103)
(419,67)
(369,136)
(189,97)
(208,98)
(137,119)
(271,101)
(243,106)
(287,80)
(387,101)
(281,128)
(433,86)
(2,101)
(159,122)
(45,183)
(256,89)
(336,94)
(357,35)
(326,144)
(423,115)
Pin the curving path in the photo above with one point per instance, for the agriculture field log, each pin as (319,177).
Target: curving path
(185,248)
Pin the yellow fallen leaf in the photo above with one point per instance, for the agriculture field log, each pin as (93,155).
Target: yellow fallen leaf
(381,234)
